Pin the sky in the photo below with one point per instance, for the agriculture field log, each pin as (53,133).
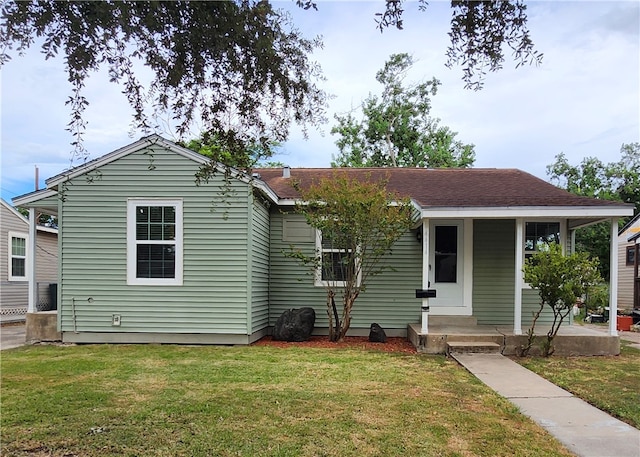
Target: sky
(583,101)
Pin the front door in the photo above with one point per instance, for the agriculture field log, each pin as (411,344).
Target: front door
(446,263)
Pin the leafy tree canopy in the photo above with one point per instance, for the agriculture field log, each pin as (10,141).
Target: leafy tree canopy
(396,128)
(617,181)
(479,32)
(238,67)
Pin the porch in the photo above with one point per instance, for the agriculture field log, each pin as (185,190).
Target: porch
(445,334)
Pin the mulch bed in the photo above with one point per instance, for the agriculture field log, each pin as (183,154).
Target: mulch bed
(352,342)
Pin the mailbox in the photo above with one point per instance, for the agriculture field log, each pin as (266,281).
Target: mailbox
(425,293)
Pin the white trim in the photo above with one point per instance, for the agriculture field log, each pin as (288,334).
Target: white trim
(425,275)
(517,313)
(142,143)
(32,197)
(10,276)
(467,266)
(262,186)
(317,277)
(132,204)
(563,212)
(613,279)
(561,229)
(31,262)
(465,262)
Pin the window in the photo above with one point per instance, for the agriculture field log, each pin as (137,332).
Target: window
(154,242)
(338,262)
(631,255)
(538,235)
(446,253)
(17,256)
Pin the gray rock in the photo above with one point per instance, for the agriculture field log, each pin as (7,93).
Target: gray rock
(377,334)
(295,325)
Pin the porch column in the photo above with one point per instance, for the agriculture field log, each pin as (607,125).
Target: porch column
(613,279)
(517,299)
(31,262)
(425,275)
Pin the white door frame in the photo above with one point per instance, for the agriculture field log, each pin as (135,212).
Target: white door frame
(465,268)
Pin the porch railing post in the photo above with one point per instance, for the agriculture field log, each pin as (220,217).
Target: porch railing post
(31,263)
(517,299)
(425,275)
(613,279)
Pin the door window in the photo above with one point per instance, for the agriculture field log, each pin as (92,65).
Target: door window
(446,253)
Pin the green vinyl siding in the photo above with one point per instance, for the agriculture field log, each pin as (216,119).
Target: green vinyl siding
(494,276)
(259,266)
(389,298)
(213,297)
(494,271)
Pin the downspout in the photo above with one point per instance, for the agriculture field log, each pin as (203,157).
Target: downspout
(613,279)
(31,262)
(519,283)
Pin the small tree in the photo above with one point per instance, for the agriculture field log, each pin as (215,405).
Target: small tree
(359,222)
(560,280)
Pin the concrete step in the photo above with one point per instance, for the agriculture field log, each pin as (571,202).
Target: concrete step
(477,347)
(458,321)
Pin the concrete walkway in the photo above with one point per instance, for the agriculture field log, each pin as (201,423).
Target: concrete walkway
(583,429)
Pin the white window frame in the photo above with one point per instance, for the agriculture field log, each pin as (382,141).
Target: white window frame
(10,275)
(318,281)
(562,242)
(132,243)
(550,221)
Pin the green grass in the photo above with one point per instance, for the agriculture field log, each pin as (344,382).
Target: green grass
(609,383)
(155,400)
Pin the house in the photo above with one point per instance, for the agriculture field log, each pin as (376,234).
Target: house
(14,264)
(628,279)
(149,256)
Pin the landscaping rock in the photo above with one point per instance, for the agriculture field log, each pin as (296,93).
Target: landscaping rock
(295,325)
(377,334)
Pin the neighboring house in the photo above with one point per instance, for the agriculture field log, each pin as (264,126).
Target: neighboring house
(14,262)
(628,282)
(149,256)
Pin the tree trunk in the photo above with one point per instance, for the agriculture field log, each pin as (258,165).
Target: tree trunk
(334,319)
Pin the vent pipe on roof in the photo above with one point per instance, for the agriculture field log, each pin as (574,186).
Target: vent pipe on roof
(286,171)
(37,178)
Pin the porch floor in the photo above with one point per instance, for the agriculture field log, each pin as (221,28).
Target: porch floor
(571,340)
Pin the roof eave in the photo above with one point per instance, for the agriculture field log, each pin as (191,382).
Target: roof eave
(124,151)
(28,200)
(600,212)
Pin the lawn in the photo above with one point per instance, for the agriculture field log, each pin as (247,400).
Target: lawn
(609,383)
(98,400)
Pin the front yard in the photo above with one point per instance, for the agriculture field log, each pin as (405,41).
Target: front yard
(99,400)
(612,384)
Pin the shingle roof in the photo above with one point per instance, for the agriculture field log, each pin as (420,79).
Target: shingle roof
(451,187)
